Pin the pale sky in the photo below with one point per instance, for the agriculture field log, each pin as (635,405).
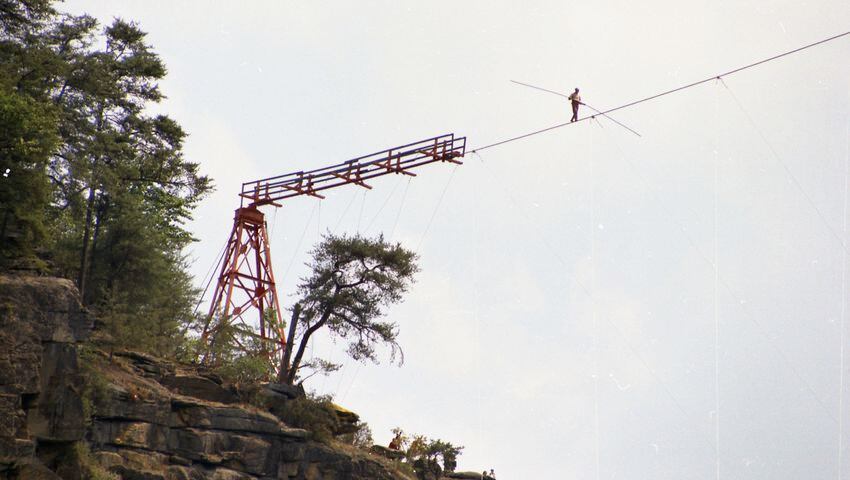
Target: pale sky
(506,353)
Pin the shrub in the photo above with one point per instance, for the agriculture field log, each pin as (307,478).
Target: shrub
(424,453)
(361,438)
(90,469)
(96,386)
(312,413)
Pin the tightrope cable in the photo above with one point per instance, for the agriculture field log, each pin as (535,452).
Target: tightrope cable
(664,93)
(583,103)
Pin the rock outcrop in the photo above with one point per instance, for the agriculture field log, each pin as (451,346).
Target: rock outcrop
(463,475)
(70,411)
(41,322)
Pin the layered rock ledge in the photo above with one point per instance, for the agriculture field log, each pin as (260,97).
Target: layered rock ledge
(70,411)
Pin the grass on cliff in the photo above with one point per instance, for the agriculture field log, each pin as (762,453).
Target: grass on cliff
(89,467)
(96,385)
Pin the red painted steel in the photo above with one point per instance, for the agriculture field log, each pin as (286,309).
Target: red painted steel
(445,148)
(246,284)
(246,280)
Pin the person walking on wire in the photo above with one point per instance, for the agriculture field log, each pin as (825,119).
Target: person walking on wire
(576,101)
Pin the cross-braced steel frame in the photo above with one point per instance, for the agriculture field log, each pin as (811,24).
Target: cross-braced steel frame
(246,285)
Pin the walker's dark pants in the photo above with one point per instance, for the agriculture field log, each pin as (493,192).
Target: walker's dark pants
(575,111)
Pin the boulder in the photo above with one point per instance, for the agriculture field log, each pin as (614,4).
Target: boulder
(246,453)
(346,420)
(130,434)
(133,464)
(289,391)
(49,307)
(275,396)
(116,402)
(187,412)
(199,387)
(463,475)
(147,365)
(317,462)
(387,452)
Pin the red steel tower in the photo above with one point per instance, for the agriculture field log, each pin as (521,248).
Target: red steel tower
(245,297)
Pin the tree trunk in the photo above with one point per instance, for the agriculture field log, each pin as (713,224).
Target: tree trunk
(3,224)
(101,211)
(283,371)
(84,254)
(302,347)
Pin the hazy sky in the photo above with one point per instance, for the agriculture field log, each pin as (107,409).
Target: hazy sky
(564,322)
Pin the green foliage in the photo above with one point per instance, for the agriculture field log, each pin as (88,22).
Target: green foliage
(148,303)
(423,453)
(361,438)
(18,15)
(27,141)
(237,354)
(90,469)
(443,451)
(353,279)
(96,386)
(96,184)
(313,413)
(246,370)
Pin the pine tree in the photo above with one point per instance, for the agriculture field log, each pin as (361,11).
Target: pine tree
(352,280)
(94,180)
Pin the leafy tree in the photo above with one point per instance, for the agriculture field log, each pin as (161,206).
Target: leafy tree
(426,454)
(361,437)
(29,138)
(117,164)
(19,15)
(240,357)
(353,279)
(444,452)
(99,183)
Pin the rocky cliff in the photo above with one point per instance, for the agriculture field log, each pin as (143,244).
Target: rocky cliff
(71,411)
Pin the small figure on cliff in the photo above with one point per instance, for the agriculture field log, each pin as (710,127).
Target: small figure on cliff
(484,475)
(576,101)
(395,443)
(492,473)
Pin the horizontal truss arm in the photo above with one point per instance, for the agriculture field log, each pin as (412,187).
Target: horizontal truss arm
(399,160)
